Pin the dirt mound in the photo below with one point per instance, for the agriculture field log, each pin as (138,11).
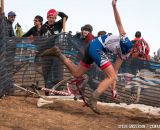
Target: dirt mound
(20,113)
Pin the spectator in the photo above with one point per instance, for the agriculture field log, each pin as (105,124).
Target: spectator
(19,32)
(86,32)
(51,27)
(35,30)
(140,45)
(156,59)
(10,21)
(158,54)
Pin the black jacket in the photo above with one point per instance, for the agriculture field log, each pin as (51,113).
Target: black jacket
(48,30)
(33,31)
(10,29)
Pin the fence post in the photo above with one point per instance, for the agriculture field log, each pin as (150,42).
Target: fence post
(2,7)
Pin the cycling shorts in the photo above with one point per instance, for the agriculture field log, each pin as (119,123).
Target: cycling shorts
(96,53)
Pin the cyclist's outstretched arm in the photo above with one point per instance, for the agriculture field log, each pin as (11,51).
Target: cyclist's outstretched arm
(117,18)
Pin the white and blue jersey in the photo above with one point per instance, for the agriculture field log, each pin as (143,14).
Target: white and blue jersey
(98,47)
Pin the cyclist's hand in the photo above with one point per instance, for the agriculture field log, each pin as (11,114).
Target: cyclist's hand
(114,3)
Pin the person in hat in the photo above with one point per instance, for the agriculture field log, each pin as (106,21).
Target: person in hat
(53,27)
(86,32)
(50,28)
(10,20)
(36,29)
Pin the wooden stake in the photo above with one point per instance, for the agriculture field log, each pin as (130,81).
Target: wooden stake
(64,24)
(2,7)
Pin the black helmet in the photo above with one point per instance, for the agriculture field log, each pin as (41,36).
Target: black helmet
(87,27)
(138,34)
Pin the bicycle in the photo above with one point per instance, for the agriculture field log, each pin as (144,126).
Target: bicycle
(72,88)
(75,89)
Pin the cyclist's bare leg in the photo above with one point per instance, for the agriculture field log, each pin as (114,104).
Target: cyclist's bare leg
(76,70)
(111,76)
(116,66)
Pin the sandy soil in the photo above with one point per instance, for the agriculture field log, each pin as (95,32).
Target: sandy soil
(20,113)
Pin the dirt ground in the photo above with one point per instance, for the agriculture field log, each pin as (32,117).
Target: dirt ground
(20,113)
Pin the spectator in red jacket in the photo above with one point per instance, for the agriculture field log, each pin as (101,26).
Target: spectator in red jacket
(141,47)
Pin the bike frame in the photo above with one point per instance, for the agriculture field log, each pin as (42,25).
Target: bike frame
(79,83)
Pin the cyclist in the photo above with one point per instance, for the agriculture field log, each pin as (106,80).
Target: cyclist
(119,45)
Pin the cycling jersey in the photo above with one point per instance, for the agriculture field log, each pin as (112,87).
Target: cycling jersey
(98,48)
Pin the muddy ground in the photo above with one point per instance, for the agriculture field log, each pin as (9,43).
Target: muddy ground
(20,113)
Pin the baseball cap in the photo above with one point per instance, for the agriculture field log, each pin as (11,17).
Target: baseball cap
(11,13)
(52,12)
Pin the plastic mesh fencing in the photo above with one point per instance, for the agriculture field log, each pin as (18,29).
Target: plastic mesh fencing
(137,81)
(5,75)
(27,67)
